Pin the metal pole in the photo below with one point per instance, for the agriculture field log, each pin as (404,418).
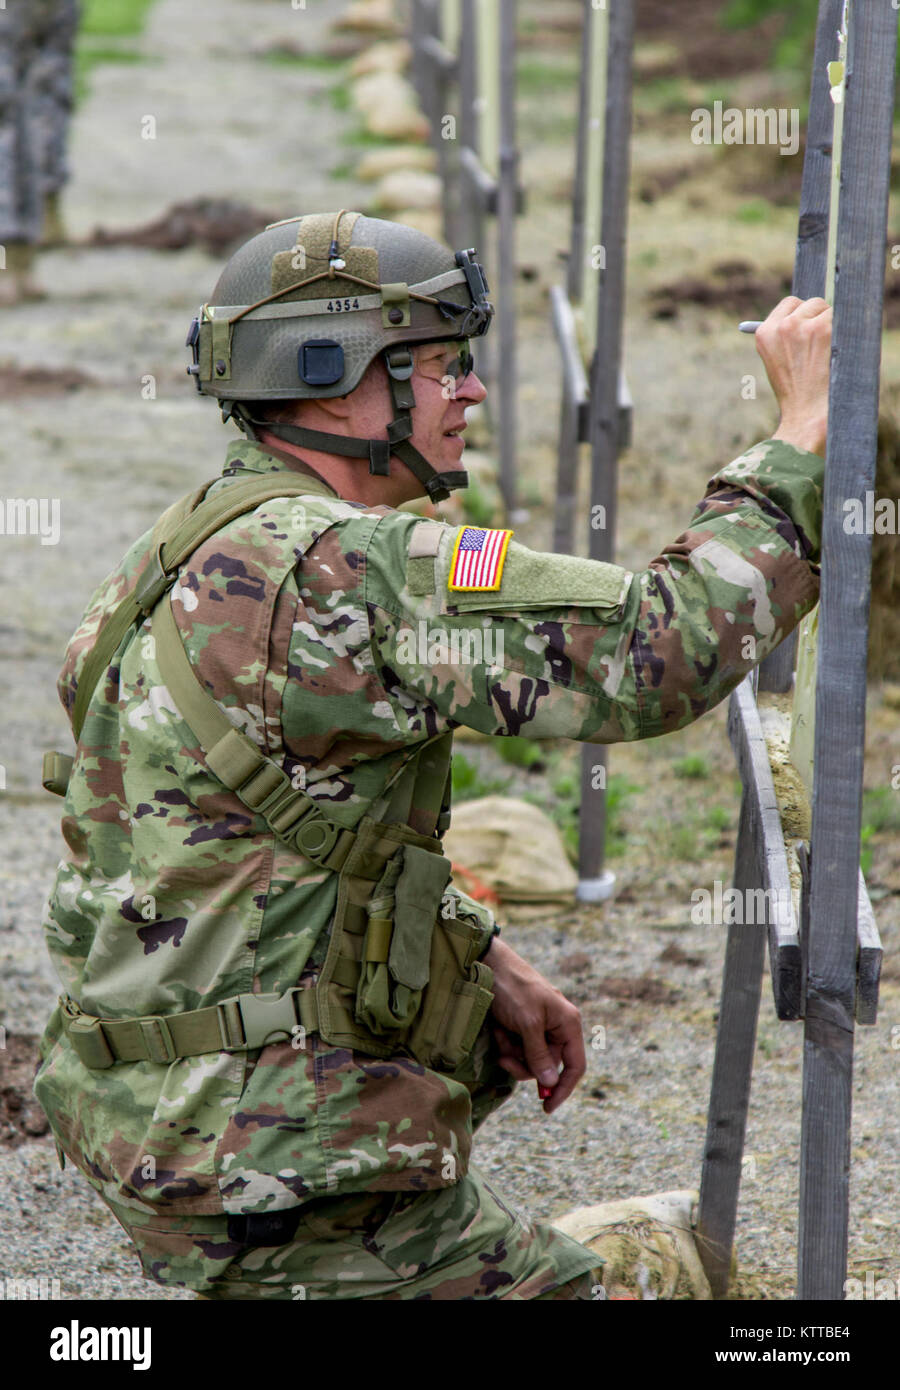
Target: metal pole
(508,166)
(777,671)
(569,431)
(595,883)
(601,72)
(843,641)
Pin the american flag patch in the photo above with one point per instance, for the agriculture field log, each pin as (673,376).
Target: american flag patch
(478,559)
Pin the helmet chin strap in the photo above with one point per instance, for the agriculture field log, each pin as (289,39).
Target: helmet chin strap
(399,363)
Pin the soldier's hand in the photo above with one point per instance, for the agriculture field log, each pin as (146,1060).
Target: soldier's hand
(536,1027)
(795,345)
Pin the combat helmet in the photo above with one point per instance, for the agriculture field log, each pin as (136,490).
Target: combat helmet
(301,310)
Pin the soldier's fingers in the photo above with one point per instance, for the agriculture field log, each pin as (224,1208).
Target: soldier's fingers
(537,1052)
(509,1042)
(520,1070)
(809,308)
(782,309)
(569,1078)
(793,308)
(510,1055)
(574,1060)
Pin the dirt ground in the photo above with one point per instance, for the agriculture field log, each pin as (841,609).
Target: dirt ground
(96,410)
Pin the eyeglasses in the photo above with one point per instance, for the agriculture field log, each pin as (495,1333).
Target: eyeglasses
(457,364)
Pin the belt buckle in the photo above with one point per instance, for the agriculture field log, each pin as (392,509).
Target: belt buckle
(152,1040)
(313,836)
(263,1015)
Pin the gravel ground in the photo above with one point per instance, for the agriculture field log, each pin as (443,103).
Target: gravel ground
(115,459)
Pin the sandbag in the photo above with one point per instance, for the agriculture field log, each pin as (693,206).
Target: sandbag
(514,848)
(647,1245)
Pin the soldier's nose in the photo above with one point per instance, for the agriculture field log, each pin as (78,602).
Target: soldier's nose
(473,388)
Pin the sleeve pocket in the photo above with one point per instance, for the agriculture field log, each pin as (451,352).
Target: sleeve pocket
(535,579)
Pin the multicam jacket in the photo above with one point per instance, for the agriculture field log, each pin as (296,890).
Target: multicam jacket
(338,664)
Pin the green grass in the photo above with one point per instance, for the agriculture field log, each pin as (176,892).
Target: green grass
(342,171)
(87,58)
(534,77)
(340,97)
(755,211)
(104,21)
(717,820)
(521,752)
(713,94)
(108,18)
(285,58)
(663,96)
(686,842)
(468,783)
(364,139)
(881,809)
(880,813)
(865,854)
(565,811)
(694,765)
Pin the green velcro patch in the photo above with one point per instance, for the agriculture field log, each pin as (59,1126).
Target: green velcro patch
(310,257)
(424,547)
(536,579)
(420,579)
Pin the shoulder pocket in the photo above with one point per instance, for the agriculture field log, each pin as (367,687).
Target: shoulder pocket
(534,579)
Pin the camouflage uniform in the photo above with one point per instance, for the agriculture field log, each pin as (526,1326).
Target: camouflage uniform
(36,41)
(170,898)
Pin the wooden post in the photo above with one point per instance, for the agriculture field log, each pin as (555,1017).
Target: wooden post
(507,203)
(487,30)
(450,24)
(843,641)
(803,724)
(733,1067)
(575,267)
(573,404)
(477,187)
(574,378)
(776,672)
(760,859)
(594,883)
(599,108)
(471,219)
(416,33)
(436,106)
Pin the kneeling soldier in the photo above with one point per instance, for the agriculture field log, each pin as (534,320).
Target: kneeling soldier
(282,1021)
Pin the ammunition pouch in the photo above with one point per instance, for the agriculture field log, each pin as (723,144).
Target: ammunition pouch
(399,975)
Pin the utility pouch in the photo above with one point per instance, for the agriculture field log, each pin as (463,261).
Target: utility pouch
(356,997)
(398,976)
(397,948)
(457,1000)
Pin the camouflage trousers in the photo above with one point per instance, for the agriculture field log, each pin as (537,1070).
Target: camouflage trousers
(36,45)
(456,1243)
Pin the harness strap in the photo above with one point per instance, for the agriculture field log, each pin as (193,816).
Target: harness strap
(179,531)
(235,759)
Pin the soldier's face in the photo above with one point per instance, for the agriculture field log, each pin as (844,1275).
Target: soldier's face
(438,420)
(441,399)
